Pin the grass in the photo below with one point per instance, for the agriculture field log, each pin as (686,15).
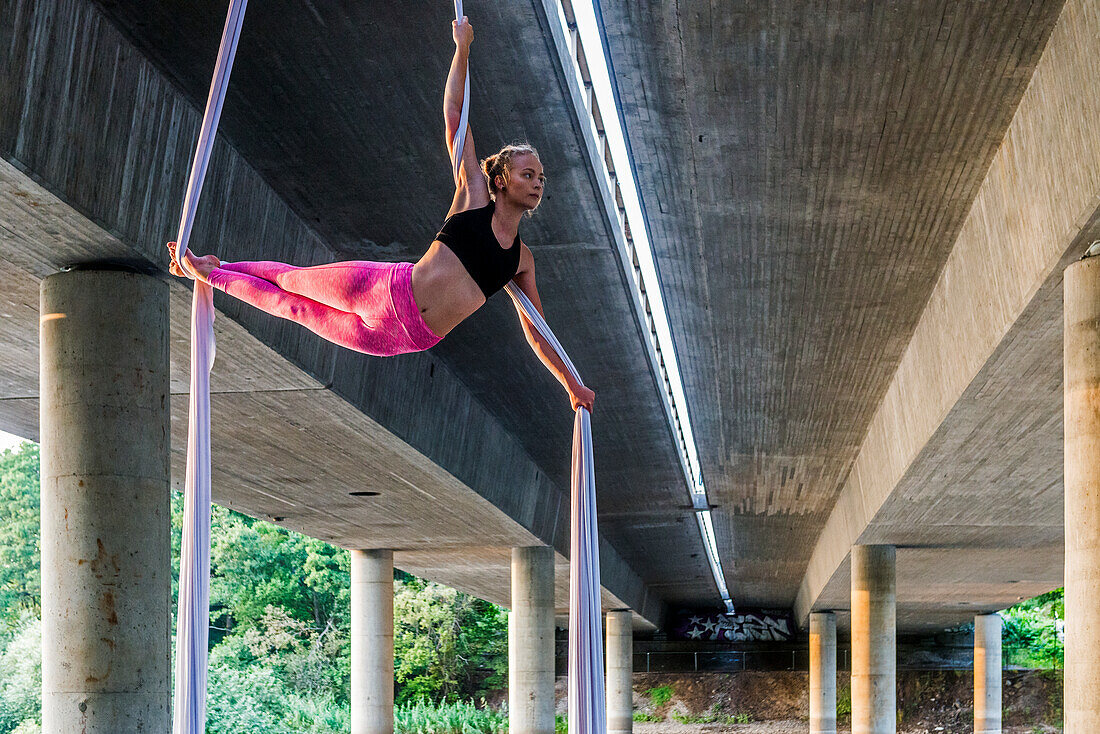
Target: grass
(643,716)
(660,695)
(843,702)
(713,716)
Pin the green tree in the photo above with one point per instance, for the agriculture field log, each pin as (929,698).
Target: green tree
(20,581)
(446,644)
(255,565)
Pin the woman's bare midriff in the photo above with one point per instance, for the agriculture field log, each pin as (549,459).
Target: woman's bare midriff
(443,290)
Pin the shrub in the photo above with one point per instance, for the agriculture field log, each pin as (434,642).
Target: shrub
(450,718)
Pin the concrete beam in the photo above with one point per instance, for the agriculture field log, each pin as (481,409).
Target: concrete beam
(106,581)
(531,642)
(1082,506)
(372,642)
(1033,213)
(874,640)
(987,674)
(823,673)
(619,628)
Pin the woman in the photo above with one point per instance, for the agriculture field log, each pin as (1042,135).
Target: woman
(395,308)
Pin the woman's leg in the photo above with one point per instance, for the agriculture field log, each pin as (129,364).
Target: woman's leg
(382,337)
(341,285)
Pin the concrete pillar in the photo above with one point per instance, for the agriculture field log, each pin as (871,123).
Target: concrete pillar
(106,577)
(822,673)
(987,674)
(620,672)
(531,642)
(1082,488)
(372,642)
(874,640)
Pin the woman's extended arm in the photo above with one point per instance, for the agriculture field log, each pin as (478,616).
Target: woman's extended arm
(471,190)
(525,279)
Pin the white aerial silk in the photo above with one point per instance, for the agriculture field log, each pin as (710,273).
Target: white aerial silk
(586,683)
(587,705)
(193,612)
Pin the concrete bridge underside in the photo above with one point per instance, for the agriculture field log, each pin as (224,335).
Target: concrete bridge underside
(468,445)
(861,215)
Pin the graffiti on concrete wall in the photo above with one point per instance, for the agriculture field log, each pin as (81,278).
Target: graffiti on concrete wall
(742,626)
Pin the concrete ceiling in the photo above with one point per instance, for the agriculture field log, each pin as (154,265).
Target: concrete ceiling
(806,169)
(808,173)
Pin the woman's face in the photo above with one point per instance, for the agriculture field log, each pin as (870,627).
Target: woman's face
(525,181)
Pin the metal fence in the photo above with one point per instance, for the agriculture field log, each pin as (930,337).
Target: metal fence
(726,662)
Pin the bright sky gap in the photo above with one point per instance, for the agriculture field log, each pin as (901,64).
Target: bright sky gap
(588,30)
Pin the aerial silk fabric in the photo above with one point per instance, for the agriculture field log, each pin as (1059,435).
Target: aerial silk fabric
(586,682)
(587,704)
(193,611)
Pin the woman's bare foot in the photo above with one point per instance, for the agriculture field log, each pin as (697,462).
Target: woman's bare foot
(196,266)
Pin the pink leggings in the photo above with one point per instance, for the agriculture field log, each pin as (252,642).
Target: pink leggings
(365,306)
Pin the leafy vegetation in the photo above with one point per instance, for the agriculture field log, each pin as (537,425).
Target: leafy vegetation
(660,695)
(448,718)
(279,612)
(843,701)
(1033,632)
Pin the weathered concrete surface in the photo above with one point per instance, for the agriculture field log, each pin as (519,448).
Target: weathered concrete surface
(531,642)
(106,582)
(371,642)
(299,424)
(822,673)
(1082,506)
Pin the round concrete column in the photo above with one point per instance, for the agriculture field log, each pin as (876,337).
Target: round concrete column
(106,577)
(531,642)
(620,672)
(372,642)
(987,674)
(822,673)
(1082,487)
(874,640)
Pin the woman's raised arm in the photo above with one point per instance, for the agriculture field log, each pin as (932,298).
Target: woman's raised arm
(471,190)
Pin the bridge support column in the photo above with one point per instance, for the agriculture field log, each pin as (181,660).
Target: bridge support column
(874,640)
(531,642)
(620,672)
(372,642)
(1082,487)
(106,580)
(822,673)
(987,674)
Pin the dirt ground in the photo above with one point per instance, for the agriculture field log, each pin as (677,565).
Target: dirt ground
(798,727)
(929,702)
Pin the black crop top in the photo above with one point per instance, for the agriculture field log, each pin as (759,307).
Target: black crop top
(469,235)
